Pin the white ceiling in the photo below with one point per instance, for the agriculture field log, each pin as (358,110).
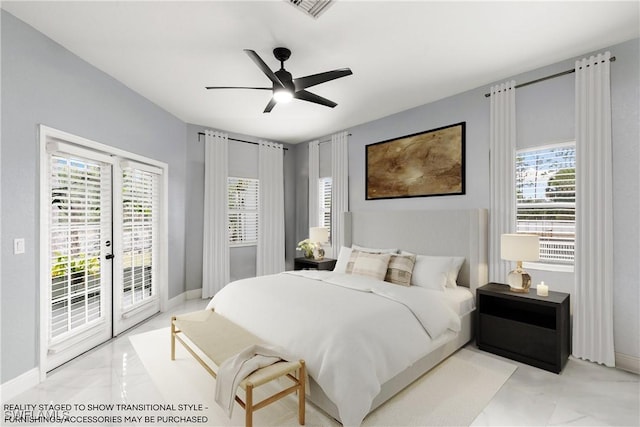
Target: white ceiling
(402,54)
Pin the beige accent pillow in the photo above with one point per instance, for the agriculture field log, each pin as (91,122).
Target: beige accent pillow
(353,254)
(371,265)
(352,260)
(400,269)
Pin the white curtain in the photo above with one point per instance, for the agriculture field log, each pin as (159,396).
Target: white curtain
(215,245)
(593,298)
(339,189)
(270,256)
(502,164)
(314,177)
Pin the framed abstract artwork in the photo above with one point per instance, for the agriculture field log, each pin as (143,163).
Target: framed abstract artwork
(429,163)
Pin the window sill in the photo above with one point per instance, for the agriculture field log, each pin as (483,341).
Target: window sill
(561,268)
(242,245)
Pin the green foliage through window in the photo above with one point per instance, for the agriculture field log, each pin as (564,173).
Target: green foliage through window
(545,199)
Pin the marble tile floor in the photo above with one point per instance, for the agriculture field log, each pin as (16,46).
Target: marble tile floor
(584,394)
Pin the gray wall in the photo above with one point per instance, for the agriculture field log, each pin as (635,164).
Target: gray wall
(243,162)
(544,114)
(43,83)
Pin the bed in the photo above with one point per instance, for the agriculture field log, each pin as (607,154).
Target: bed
(364,340)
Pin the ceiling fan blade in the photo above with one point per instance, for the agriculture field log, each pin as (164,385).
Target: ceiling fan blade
(316,79)
(238,87)
(272,103)
(312,97)
(264,67)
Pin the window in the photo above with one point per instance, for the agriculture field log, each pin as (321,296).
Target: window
(243,211)
(325,203)
(545,199)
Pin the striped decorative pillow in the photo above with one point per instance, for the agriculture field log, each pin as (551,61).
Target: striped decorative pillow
(371,265)
(352,261)
(400,269)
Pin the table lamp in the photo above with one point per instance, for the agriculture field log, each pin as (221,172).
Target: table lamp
(519,247)
(319,235)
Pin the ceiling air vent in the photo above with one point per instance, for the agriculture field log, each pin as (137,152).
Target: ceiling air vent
(311,7)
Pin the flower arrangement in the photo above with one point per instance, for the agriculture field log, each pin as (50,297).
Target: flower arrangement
(307,247)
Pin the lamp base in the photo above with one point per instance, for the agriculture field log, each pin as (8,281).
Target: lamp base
(519,281)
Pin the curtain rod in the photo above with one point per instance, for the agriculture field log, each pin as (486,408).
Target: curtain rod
(541,79)
(255,143)
(328,140)
(239,140)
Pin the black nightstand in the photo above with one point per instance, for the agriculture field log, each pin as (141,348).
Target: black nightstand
(524,326)
(314,264)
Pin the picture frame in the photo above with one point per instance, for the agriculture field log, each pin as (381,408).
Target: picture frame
(423,164)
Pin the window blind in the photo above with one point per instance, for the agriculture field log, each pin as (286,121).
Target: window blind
(545,199)
(325,203)
(140,222)
(80,220)
(243,211)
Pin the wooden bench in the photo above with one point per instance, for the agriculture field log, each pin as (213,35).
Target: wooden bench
(219,338)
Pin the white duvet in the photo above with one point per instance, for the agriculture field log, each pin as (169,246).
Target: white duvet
(353,332)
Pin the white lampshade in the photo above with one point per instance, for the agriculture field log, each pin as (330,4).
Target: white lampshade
(319,234)
(520,247)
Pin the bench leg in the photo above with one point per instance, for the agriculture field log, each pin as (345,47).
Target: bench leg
(173,338)
(248,406)
(301,393)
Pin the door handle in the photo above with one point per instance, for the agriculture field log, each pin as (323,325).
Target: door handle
(110,256)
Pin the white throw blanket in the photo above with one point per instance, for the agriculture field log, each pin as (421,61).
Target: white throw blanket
(235,369)
(354,333)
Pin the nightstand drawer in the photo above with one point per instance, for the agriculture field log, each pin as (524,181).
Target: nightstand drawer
(517,337)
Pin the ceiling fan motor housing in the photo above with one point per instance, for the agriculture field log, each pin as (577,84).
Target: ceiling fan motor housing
(287,80)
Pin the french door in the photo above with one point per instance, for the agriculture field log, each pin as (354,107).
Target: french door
(101,247)
(80,245)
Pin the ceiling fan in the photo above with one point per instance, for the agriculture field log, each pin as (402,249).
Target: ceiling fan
(285,87)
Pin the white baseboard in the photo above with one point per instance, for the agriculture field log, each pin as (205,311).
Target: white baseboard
(194,294)
(20,384)
(185,296)
(176,301)
(628,363)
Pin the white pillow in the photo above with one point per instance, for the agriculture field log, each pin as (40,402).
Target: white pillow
(456,265)
(374,250)
(371,265)
(431,272)
(440,264)
(343,259)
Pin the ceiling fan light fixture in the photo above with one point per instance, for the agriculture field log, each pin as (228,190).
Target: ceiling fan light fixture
(284,87)
(282,96)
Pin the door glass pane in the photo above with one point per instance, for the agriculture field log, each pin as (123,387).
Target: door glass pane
(79,225)
(140,192)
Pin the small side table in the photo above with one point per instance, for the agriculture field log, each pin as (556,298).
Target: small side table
(314,264)
(524,326)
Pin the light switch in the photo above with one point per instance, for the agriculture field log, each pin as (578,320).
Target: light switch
(18,246)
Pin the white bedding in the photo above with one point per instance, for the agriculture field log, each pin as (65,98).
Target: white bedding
(354,333)
(460,299)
